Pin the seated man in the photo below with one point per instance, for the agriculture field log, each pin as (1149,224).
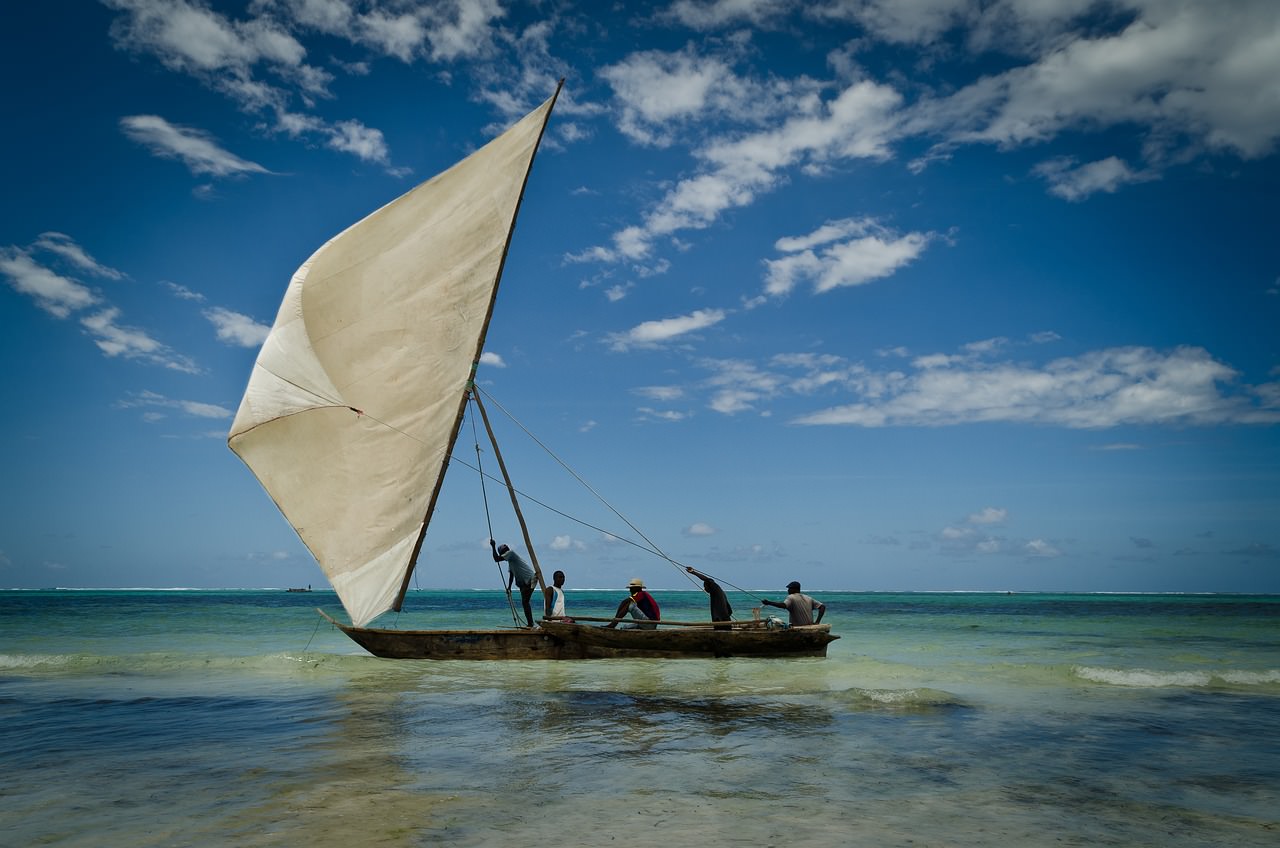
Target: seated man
(640,605)
(799,606)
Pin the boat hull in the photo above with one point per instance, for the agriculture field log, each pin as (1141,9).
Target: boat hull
(559,640)
(505,644)
(752,639)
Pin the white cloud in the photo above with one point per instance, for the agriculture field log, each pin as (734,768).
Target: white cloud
(661,95)
(492,359)
(1041,549)
(567,543)
(61,296)
(651,333)
(699,528)
(182,292)
(1182,387)
(1074,182)
(235,328)
(194,148)
(663,393)
(65,246)
(1107,388)
(737,386)
(714,14)
(857,123)
(152,401)
(115,339)
(989,515)
(364,142)
(1201,75)
(650,414)
(1191,77)
(52,292)
(854,251)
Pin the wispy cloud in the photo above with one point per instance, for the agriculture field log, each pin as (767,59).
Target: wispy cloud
(153,401)
(653,333)
(63,245)
(1077,182)
(61,296)
(52,292)
(1107,388)
(194,148)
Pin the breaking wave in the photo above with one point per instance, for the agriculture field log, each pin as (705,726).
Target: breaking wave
(1142,678)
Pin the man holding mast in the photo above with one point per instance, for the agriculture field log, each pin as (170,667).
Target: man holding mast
(720,609)
(519,572)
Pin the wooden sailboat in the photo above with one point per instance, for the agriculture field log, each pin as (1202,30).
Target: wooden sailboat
(357,397)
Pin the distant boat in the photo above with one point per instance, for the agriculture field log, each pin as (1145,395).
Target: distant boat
(308,589)
(359,392)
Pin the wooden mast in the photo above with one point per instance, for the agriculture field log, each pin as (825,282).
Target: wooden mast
(462,402)
(511,490)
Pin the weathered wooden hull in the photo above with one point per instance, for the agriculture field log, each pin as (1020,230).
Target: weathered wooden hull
(504,644)
(748,640)
(559,640)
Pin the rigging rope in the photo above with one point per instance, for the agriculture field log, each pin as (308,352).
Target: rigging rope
(485,494)
(652,547)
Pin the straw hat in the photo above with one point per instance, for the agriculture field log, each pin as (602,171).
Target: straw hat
(635,583)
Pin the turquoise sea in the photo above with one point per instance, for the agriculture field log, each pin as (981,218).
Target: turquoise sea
(240,718)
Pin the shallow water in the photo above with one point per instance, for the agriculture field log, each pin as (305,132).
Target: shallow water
(218,718)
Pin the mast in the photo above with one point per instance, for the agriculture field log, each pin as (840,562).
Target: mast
(475,361)
(511,490)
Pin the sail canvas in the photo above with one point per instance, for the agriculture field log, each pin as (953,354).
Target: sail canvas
(355,398)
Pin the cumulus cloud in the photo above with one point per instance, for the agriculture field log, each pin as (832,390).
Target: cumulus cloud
(1191,78)
(565,543)
(235,328)
(848,252)
(857,123)
(660,94)
(989,515)
(492,359)
(259,62)
(699,528)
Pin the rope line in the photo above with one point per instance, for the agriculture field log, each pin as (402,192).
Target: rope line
(475,435)
(653,548)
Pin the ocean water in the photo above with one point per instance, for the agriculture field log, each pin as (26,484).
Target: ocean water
(210,718)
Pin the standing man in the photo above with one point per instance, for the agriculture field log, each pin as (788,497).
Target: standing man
(519,572)
(555,597)
(720,609)
(799,606)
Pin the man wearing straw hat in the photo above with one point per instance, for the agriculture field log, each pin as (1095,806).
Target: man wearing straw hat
(640,605)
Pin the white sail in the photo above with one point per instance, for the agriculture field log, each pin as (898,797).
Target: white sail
(356,395)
